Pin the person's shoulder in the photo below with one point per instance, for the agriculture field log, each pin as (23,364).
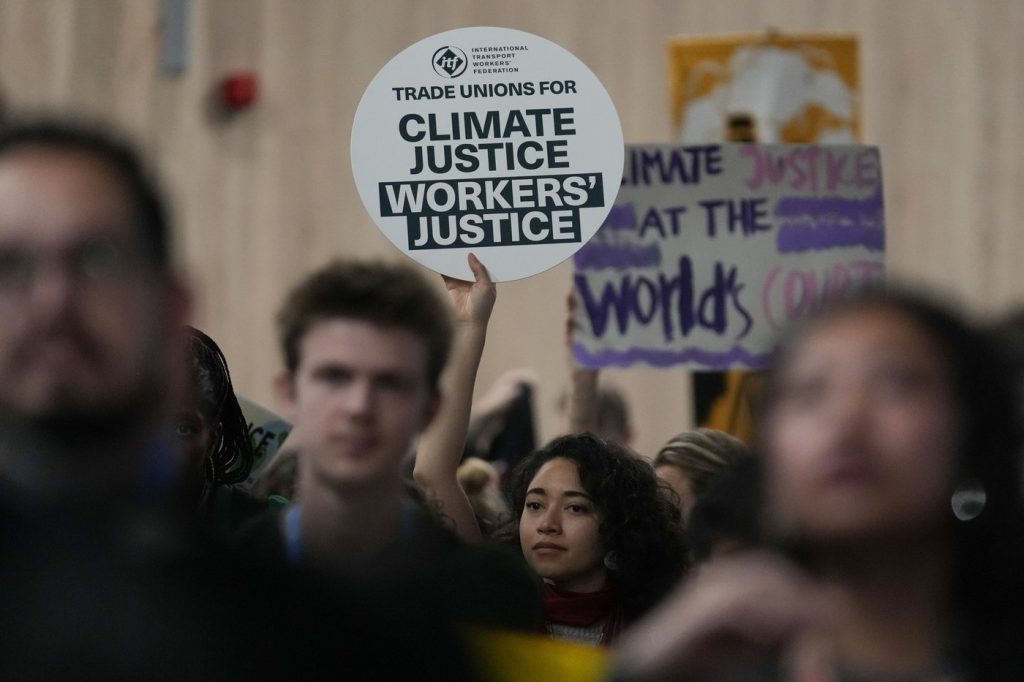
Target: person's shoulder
(230,507)
(482,584)
(492,585)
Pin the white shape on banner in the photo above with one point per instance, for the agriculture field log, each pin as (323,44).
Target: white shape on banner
(487,140)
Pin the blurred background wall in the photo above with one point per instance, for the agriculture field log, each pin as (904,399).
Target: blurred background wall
(263,197)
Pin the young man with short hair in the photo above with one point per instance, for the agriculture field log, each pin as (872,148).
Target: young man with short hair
(364,345)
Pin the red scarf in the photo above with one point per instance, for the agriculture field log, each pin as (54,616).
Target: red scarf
(583,609)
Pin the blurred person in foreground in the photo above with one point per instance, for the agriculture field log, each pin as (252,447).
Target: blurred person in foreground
(89,354)
(879,410)
(104,577)
(92,310)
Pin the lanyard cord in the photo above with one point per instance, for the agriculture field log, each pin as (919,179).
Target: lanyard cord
(293,534)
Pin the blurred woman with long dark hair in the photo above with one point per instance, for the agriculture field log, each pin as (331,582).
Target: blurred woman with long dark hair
(881,410)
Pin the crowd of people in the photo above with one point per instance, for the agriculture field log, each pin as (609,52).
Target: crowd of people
(383,542)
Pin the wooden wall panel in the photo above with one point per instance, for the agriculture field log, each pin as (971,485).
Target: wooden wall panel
(265,196)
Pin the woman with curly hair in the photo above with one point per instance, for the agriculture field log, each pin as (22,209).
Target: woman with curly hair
(588,514)
(593,524)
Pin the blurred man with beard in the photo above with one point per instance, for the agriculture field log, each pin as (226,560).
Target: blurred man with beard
(90,558)
(103,578)
(91,310)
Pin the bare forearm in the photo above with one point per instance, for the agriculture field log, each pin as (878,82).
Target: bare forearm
(441,446)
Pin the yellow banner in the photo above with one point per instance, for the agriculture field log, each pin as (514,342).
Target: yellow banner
(512,657)
(800,88)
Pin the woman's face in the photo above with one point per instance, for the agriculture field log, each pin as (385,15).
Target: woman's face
(559,530)
(861,440)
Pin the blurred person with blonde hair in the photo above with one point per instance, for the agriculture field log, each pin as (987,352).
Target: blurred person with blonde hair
(688,462)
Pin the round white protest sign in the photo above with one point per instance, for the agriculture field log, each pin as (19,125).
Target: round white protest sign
(491,141)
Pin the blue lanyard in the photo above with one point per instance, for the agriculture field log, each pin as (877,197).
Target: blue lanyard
(293,530)
(293,534)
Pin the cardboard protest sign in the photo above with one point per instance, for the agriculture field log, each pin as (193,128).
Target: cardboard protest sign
(799,88)
(267,431)
(796,88)
(711,249)
(487,140)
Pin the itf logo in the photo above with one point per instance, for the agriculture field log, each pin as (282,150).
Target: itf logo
(449,62)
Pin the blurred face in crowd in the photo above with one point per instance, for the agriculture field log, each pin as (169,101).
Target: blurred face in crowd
(85,319)
(361,395)
(681,485)
(559,530)
(862,434)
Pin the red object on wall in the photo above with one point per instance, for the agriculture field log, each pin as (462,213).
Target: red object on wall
(239,90)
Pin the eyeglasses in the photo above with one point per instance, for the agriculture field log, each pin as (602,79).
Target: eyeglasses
(95,263)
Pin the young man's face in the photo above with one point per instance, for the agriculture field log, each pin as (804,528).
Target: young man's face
(85,319)
(361,395)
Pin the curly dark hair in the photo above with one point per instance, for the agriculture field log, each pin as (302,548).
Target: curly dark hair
(231,453)
(638,522)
